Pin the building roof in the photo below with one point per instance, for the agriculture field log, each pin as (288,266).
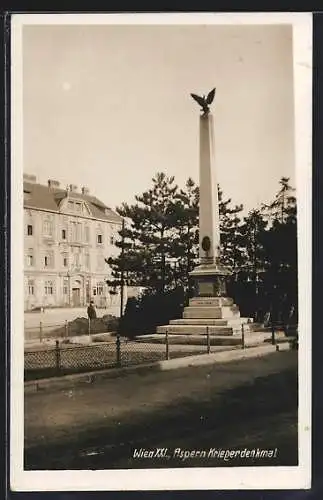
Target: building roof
(41,197)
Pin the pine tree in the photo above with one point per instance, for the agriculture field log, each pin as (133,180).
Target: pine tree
(252,240)
(160,238)
(148,237)
(247,287)
(230,232)
(184,248)
(280,246)
(284,204)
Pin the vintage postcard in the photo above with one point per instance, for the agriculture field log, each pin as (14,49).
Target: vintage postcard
(160,249)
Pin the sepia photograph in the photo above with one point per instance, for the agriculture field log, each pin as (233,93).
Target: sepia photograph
(161,273)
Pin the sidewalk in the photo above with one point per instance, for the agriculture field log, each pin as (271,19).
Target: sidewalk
(54,416)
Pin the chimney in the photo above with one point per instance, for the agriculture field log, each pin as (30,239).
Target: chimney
(85,190)
(52,183)
(30,178)
(73,188)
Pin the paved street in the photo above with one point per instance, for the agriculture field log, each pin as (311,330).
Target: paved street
(249,403)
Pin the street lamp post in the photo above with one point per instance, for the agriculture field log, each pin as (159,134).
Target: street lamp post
(122,271)
(161,217)
(118,340)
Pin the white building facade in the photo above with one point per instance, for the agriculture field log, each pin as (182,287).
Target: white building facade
(67,237)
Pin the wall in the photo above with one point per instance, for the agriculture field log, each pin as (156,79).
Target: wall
(79,276)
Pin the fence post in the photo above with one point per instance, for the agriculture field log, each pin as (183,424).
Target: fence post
(57,356)
(242,336)
(66,329)
(118,350)
(208,340)
(40,331)
(273,340)
(167,344)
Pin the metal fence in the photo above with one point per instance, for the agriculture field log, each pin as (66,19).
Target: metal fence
(61,359)
(41,331)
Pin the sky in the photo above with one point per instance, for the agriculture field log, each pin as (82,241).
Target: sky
(109,106)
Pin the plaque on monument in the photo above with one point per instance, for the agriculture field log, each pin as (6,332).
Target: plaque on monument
(206,289)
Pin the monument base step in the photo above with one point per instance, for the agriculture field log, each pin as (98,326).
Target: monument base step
(251,339)
(215,340)
(214,312)
(199,329)
(233,322)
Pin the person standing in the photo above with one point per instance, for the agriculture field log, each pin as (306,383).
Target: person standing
(91,312)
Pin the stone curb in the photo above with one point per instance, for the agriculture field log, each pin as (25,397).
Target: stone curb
(68,381)
(222,357)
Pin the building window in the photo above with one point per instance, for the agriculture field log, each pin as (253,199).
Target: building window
(73,231)
(49,259)
(65,259)
(76,260)
(31,287)
(65,286)
(63,234)
(73,224)
(87,261)
(49,288)
(29,230)
(98,289)
(79,232)
(30,257)
(87,234)
(76,257)
(99,239)
(112,240)
(77,207)
(48,227)
(76,231)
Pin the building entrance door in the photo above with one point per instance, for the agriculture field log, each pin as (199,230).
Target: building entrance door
(76,297)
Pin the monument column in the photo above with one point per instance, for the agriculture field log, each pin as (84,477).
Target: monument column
(210,275)
(209,204)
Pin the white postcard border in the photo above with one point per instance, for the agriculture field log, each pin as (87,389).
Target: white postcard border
(175,479)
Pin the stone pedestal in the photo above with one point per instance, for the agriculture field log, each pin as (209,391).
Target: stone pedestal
(210,280)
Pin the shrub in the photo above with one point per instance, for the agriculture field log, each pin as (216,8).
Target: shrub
(143,315)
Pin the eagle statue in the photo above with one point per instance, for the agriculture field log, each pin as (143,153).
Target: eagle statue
(205,101)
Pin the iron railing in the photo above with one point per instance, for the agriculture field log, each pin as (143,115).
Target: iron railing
(61,358)
(103,352)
